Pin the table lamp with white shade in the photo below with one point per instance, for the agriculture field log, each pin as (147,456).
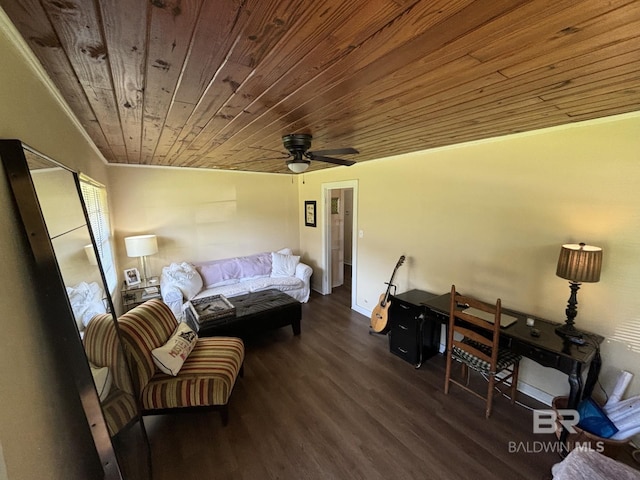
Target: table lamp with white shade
(91,254)
(141,246)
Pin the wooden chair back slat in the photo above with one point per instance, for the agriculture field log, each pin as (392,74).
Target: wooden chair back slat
(475,336)
(477,321)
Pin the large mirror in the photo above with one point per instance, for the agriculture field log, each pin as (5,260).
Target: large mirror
(70,268)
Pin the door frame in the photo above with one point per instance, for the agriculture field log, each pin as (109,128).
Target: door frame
(326,235)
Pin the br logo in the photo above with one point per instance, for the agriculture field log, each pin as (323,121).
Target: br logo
(548,421)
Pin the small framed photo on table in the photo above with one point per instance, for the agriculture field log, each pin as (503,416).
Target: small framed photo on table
(310,213)
(132,277)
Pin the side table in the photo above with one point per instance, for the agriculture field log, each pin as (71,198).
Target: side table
(137,294)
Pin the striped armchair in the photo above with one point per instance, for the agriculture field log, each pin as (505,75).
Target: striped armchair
(102,348)
(206,378)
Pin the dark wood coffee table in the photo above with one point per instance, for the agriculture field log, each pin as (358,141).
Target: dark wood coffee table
(255,312)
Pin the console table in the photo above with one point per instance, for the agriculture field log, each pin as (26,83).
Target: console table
(415,318)
(549,349)
(414,315)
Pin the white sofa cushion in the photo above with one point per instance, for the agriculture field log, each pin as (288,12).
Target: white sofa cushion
(283,265)
(234,290)
(185,277)
(284,284)
(290,285)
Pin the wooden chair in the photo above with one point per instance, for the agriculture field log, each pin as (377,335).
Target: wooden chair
(474,342)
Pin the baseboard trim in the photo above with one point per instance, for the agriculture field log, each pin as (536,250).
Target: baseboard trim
(362,311)
(535,393)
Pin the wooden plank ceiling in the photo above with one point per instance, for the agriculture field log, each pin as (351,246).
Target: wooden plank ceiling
(216,83)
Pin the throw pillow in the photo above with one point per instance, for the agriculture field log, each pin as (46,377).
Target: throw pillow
(283,265)
(185,277)
(219,272)
(102,380)
(86,302)
(171,356)
(254,266)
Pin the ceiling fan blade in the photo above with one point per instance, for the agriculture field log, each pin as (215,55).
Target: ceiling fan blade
(321,158)
(336,151)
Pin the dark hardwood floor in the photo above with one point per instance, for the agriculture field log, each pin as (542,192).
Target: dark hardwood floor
(333,403)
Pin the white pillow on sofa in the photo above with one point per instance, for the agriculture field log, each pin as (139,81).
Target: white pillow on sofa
(86,302)
(283,265)
(171,356)
(185,277)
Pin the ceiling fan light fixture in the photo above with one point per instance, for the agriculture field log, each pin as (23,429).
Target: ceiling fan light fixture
(300,157)
(298,166)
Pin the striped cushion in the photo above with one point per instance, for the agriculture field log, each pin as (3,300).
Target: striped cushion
(206,378)
(505,357)
(119,408)
(144,328)
(103,349)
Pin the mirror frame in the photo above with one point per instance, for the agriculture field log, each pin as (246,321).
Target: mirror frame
(64,333)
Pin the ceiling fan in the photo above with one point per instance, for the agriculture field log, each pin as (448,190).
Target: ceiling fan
(299,157)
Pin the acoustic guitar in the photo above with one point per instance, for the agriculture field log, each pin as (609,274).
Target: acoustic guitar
(379,316)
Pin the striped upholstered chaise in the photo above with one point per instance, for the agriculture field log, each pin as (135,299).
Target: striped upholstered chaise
(206,378)
(103,350)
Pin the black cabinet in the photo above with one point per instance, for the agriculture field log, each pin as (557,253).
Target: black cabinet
(413,335)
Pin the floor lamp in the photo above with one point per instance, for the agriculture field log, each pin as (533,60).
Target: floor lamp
(142,246)
(577,263)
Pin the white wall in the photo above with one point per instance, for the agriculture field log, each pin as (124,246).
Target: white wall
(40,415)
(201,215)
(490,217)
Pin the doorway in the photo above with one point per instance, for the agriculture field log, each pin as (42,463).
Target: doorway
(340,245)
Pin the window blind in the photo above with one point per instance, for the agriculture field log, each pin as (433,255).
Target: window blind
(95,199)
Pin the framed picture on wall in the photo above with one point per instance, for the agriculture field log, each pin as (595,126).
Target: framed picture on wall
(310,213)
(132,277)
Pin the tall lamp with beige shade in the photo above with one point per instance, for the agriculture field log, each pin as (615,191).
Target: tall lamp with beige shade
(577,263)
(141,246)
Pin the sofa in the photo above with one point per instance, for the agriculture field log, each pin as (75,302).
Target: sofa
(181,282)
